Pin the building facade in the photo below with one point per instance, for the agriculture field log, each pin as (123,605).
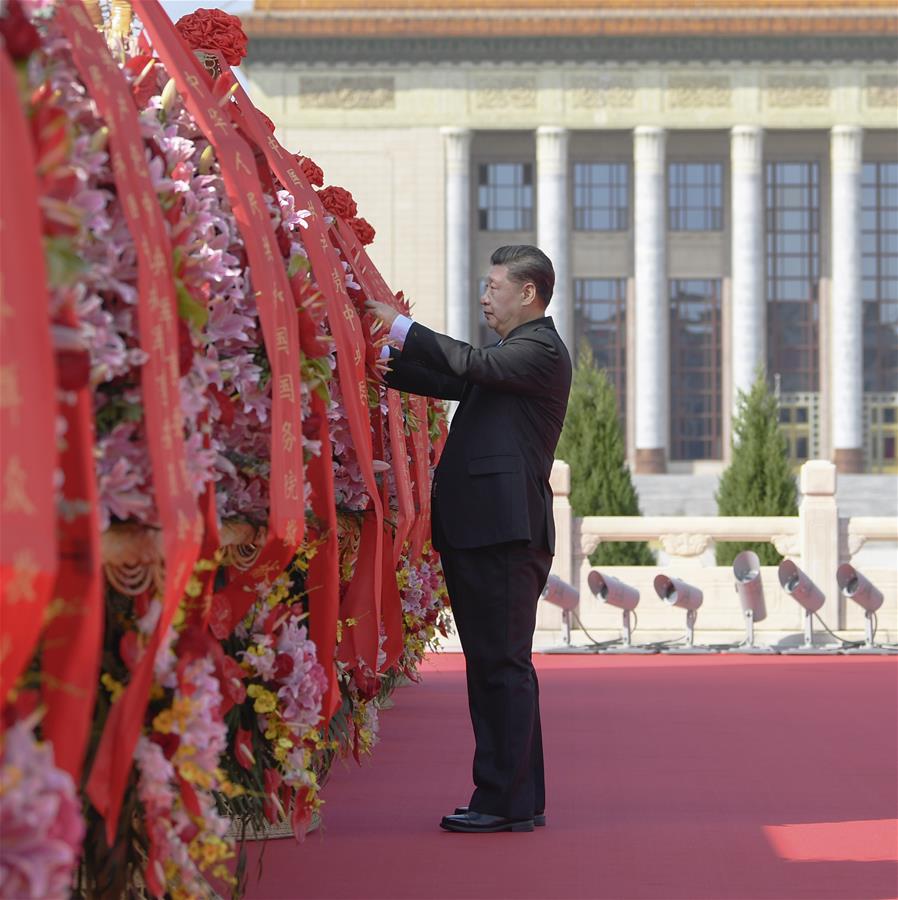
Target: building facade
(716,184)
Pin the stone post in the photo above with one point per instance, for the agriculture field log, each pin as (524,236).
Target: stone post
(818,529)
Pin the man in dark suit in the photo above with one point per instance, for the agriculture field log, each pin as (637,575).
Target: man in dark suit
(492,516)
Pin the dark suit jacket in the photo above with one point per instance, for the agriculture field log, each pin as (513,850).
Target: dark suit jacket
(492,481)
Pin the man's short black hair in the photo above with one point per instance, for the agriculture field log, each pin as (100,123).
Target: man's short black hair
(528,263)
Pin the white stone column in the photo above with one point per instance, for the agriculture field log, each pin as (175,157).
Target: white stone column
(459,302)
(846,305)
(652,306)
(553,223)
(749,300)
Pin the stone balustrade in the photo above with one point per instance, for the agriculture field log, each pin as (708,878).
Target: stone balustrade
(818,540)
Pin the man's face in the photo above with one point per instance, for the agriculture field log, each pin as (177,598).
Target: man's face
(505,303)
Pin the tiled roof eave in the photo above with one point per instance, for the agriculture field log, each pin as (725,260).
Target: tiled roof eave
(573,23)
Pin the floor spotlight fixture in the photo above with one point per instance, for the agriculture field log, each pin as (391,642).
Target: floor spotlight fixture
(797,584)
(614,592)
(858,588)
(563,595)
(678,593)
(747,572)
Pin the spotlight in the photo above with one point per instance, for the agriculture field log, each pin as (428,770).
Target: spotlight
(801,588)
(747,571)
(560,593)
(856,587)
(614,592)
(685,596)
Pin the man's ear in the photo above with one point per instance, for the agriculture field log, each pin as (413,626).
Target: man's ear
(529,293)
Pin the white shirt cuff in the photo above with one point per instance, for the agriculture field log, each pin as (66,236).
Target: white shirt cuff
(398,332)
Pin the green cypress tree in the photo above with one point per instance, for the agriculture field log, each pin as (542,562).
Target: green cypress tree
(592,444)
(759,480)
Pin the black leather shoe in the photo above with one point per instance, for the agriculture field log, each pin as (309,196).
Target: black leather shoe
(539,819)
(481,823)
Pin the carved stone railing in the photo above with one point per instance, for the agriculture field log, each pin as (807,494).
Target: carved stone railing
(688,537)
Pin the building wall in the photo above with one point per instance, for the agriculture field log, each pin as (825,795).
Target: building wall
(396,177)
(376,131)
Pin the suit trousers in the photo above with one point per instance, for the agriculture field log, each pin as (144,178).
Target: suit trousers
(494,592)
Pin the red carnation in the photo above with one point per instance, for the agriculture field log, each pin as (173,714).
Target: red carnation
(364,231)
(338,201)
(168,743)
(212,29)
(313,172)
(283,666)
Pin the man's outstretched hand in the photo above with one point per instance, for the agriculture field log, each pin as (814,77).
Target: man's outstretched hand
(381,312)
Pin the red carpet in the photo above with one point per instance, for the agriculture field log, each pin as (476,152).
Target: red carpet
(670,778)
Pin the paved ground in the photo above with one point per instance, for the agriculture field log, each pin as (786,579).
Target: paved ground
(718,778)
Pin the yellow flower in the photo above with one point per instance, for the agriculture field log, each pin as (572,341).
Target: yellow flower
(114,687)
(266,702)
(213,853)
(224,874)
(182,709)
(192,773)
(229,789)
(164,722)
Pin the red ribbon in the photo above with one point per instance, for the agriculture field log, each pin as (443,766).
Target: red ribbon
(27,398)
(277,315)
(358,638)
(74,638)
(367,275)
(373,285)
(344,324)
(406,515)
(391,605)
(421,455)
(182,527)
(323,577)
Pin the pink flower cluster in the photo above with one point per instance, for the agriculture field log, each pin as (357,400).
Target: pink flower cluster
(303,685)
(178,775)
(281,655)
(41,828)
